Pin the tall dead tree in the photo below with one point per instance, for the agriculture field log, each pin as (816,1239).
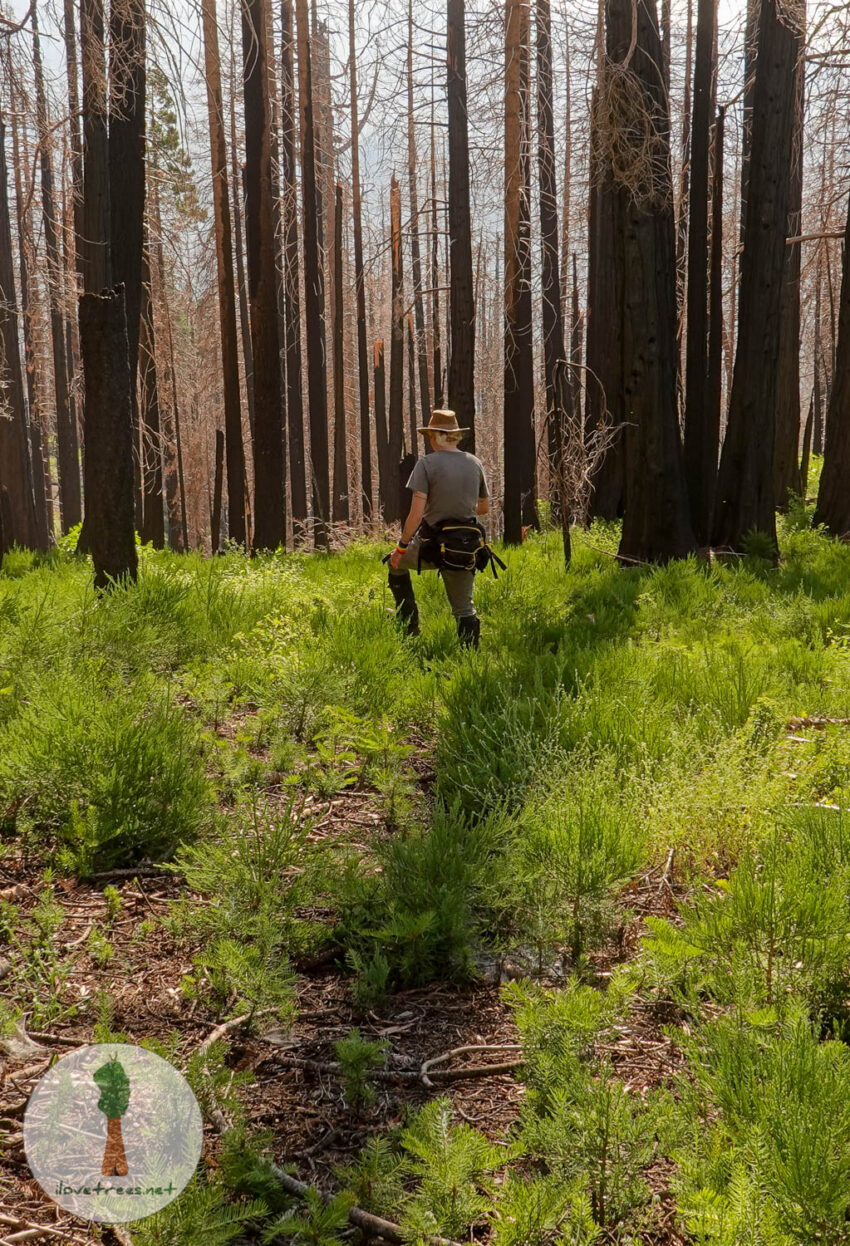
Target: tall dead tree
(415,254)
(269,493)
(786,472)
(714,384)
(656,520)
(76,141)
(745,498)
(833,506)
(67,450)
(340,498)
(317,388)
(701,432)
(95,251)
(42,493)
(603,402)
(557,398)
(234,448)
(359,278)
(238,191)
(291,272)
(396,408)
(152,523)
(17,505)
(436,341)
(520,502)
(461,382)
(387,492)
(127,81)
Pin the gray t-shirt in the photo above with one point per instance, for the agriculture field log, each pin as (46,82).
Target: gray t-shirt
(453,481)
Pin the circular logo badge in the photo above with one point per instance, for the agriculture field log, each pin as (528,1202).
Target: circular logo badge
(112,1132)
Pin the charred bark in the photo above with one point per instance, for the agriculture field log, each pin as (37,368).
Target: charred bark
(701,446)
(340,499)
(656,521)
(461,383)
(109,437)
(291,275)
(833,506)
(359,280)
(554,350)
(520,501)
(396,410)
(18,519)
(70,501)
(745,498)
(235,450)
(786,446)
(269,492)
(317,381)
(152,523)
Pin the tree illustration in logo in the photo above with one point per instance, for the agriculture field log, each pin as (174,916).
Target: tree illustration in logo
(114,1085)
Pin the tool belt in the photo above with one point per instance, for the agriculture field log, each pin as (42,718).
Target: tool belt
(456,545)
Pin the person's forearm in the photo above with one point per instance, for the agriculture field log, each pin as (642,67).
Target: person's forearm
(483,507)
(413,521)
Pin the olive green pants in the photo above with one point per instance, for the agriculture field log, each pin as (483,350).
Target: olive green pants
(458,584)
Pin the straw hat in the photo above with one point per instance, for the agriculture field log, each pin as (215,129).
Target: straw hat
(443,422)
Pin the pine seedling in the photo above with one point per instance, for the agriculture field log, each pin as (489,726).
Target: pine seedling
(316,1223)
(453,1164)
(114,1086)
(358,1058)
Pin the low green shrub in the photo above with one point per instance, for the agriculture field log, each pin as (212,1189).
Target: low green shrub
(118,775)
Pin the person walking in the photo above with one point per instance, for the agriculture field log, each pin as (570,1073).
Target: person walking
(447,485)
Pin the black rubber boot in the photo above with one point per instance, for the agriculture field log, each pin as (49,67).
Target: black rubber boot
(469,630)
(406,610)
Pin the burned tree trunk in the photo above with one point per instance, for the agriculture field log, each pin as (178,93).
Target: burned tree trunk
(16,495)
(76,143)
(96,263)
(269,493)
(436,344)
(109,437)
(520,503)
(701,445)
(833,507)
(396,412)
(152,522)
(603,401)
(317,381)
(656,520)
(359,280)
(70,501)
(215,509)
(127,73)
(461,297)
(235,450)
(714,383)
(415,255)
(786,446)
(340,498)
(241,284)
(745,499)
(387,494)
(291,274)
(550,276)
(42,495)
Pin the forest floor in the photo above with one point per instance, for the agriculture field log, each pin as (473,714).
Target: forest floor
(541,945)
